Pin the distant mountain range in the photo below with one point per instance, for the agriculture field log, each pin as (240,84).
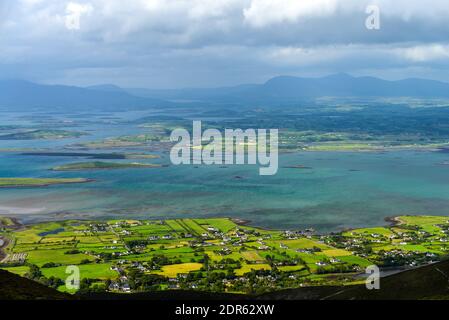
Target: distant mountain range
(290,89)
(20,94)
(23,95)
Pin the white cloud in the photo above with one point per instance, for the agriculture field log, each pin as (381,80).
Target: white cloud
(409,9)
(74,11)
(266,12)
(31,2)
(262,13)
(425,53)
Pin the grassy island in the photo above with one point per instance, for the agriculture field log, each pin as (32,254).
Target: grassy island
(98,165)
(41,135)
(37,182)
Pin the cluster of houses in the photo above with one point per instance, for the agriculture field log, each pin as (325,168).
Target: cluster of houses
(359,244)
(15,258)
(356,244)
(293,235)
(121,284)
(126,224)
(99,227)
(224,251)
(163,237)
(411,258)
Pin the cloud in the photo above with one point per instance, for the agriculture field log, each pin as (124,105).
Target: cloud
(265,12)
(74,11)
(172,43)
(425,53)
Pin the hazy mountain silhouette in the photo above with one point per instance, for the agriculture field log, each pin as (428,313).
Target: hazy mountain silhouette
(286,88)
(19,95)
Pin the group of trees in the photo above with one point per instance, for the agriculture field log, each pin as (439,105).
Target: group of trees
(139,281)
(35,274)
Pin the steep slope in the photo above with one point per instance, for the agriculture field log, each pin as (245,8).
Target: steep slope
(14,287)
(429,282)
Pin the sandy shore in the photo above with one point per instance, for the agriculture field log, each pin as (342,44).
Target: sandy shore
(393,221)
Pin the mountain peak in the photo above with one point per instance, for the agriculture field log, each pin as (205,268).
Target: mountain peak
(339,76)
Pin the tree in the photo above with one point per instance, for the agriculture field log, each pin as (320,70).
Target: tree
(34,273)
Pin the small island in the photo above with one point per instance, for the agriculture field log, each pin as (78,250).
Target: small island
(95,156)
(297,166)
(99,165)
(123,142)
(41,135)
(37,182)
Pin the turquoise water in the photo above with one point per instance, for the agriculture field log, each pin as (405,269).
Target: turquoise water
(341,189)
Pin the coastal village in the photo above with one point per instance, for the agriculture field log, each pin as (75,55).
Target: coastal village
(214,254)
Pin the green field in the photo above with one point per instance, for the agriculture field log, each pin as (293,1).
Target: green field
(214,254)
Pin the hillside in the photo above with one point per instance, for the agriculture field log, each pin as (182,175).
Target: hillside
(429,282)
(18,288)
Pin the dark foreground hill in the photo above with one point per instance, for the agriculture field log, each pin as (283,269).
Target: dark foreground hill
(429,282)
(14,287)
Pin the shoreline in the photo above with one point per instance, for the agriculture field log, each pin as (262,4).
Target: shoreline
(424,148)
(41,185)
(392,221)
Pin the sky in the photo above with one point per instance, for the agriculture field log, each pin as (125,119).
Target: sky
(210,43)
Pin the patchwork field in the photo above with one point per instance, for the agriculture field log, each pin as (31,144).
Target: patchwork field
(213,254)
